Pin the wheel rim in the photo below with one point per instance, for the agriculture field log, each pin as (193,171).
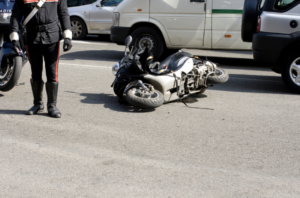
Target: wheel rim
(6,73)
(140,92)
(146,41)
(76,28)
(295,72)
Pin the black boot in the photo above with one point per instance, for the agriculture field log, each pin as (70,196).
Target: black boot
(37,90)
(52,88)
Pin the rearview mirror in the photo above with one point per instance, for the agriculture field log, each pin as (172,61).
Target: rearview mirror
(128,41)
(98,5)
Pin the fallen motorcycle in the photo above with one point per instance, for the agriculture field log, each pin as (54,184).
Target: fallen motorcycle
(11,63)
(147,84)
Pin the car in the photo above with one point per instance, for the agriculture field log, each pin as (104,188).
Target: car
(169,25)
(273,27)
(91,16)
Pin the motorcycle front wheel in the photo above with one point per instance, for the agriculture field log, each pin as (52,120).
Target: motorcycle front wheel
(10,73)
(219,77)
(145,100)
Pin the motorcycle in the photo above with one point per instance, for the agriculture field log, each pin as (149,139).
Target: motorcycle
(147,84)
(11,63)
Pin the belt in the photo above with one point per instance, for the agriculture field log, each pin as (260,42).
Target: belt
(43,28)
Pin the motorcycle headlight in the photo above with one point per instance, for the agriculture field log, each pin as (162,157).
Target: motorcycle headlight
(116,19)
(115,69)
(5,17)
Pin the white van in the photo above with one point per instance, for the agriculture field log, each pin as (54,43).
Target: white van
(175,24)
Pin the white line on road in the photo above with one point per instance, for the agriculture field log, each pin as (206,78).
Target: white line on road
(109,66)
(100,67)
(88,43)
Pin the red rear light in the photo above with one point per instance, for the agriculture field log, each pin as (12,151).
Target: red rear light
(258,25)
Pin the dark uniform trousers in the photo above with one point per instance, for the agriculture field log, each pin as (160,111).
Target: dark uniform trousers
(43,34)
(50,52)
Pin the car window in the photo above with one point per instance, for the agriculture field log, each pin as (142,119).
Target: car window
(86,2)
(285,4)
(106,3)
(72,3)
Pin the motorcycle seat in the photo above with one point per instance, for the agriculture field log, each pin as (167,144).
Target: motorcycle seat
(172,63)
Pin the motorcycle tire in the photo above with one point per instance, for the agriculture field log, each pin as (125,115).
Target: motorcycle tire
(18,64)
(221,76)
(145,103)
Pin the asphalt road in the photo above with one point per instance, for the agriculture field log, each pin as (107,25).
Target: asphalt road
(239,139)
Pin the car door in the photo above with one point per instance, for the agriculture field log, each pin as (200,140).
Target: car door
(184,20)
(101,15)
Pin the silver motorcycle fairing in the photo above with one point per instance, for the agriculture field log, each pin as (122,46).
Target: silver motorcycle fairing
(164,83)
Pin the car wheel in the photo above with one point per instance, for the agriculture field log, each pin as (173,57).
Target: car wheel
(249,21)
(291,72)
(151,38)
(78,28)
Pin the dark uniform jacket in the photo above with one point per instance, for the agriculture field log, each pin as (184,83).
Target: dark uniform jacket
(49,13)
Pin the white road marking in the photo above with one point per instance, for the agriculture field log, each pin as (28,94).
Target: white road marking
(93,66)
(109,66)
(88,43)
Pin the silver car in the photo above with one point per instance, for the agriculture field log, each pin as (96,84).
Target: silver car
(91,16)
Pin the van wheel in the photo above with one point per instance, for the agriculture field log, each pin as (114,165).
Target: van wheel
(151,38)
(291,72)
(78,28)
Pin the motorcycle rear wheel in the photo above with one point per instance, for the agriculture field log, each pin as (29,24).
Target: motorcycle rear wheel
(155,100)
(221,76)
(9,75)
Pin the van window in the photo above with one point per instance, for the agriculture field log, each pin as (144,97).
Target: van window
(72,3)
(285,4)
(106,3)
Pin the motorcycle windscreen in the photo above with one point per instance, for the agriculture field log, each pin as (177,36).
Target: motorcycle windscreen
(139,63)
(178,60)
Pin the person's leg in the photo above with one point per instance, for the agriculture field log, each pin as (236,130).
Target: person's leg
(51,56)
(36,61)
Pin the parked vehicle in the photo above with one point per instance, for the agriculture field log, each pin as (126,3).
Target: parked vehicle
(273,28)
(147,84)
(10,63)
(176,24)
(91,16)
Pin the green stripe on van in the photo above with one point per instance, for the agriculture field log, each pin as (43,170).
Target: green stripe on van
(219,11)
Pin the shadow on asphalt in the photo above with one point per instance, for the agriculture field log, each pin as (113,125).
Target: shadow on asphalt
(254,84)
(112,102)
(15,112)
(234,61)
(94,55)
(101,37)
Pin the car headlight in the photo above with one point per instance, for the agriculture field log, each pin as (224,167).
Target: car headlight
(115,69)
(116,19)
(5,17)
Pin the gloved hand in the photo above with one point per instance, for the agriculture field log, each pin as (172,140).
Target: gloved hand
(67,44)
(16,47)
